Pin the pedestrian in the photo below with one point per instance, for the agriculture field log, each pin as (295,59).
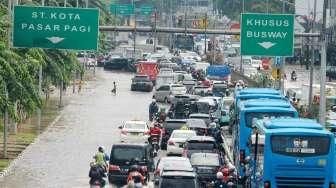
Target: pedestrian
(114,90)
(80,86)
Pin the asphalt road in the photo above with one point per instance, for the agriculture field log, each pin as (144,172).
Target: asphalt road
(60,156)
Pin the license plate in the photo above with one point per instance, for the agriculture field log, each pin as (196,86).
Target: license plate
(135,134)
(154,142)
(124,170)
(181,145)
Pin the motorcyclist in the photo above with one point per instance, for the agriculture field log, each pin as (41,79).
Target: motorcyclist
(153,109)
(96,174)
(100,158)
(219,183)
(162,115)
(135,176)
(156,130)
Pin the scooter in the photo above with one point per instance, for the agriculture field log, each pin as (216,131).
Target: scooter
(155,138)
(293,77)
(97,184)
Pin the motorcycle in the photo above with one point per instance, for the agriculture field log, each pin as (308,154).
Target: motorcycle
(155,139)
(97,184)
(137,175)
(293,77)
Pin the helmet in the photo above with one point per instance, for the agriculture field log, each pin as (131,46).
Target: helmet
(153,100)
(101,149)
(219,175)
(156,124)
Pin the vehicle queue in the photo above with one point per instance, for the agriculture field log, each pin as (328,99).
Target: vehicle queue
(271,145)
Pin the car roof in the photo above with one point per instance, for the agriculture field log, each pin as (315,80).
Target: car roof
(135,122)
(176,120)
(288,123)
(178,173)
(183,131)
(193,122)
(130,145)
(202,138)
(199,115)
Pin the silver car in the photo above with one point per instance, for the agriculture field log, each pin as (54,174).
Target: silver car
(166,93)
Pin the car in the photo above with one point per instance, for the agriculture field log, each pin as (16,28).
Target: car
(166,71)
(186,98)
(141,83)
(172,163)
(200,144)
(206,117)
(177,140)
(166,93)
(206,165)
(169,125)
(198,125)
(124,155)
(178,179)
(134,131)
(331,72)
(201,90)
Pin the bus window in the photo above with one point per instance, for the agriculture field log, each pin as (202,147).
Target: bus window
(300,146)
(265,115)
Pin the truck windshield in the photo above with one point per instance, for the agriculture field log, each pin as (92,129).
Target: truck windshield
(300,146)
(263,115)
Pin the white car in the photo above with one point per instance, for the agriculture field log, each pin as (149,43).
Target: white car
(177,140)
(134,131)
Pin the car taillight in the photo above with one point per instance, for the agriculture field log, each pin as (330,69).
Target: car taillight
(124,132)
(114,168)
(171,143)
(332,185)
(157,172)
(267,184)
(242,156)
(185,153)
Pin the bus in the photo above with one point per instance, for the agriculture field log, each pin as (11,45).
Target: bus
(253,93)
(184,42)
(294,152)
(249,111)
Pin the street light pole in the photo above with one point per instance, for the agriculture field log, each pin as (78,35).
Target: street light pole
(323,66)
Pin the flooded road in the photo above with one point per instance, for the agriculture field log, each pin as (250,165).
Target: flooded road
(60,156)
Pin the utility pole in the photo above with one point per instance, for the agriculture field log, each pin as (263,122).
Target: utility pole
(323,66)
(155,17)
(267,5)
(241,57)
(311,73)
(134,33)
(205,33)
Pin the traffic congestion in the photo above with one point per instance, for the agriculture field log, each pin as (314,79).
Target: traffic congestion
(205,130)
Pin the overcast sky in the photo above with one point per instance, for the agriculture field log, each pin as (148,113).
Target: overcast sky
(302,7)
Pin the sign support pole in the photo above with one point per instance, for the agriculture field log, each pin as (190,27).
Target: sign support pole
(311,73)
(155,17)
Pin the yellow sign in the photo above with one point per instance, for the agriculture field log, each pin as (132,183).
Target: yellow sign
(276,74)
(203,23)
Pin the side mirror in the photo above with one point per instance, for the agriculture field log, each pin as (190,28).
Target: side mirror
(120,127)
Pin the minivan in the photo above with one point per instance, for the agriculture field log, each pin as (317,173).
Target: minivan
(123,156)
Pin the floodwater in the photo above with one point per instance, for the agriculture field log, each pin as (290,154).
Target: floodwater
(61,155)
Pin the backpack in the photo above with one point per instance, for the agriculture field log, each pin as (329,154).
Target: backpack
(94,172)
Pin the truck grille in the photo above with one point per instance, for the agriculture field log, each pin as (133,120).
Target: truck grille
(293,182)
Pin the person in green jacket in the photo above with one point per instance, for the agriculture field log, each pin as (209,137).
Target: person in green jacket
(100,158)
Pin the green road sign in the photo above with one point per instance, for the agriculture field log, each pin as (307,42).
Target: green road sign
(267,34)
(54,27)
(146,10)
(125,9)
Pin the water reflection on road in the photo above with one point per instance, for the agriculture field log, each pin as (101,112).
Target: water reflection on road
(61,155)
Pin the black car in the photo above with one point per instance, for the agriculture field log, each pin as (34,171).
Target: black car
(331,72)
(123,156)
(141,83)
(178,179)
(200,144)
(206,166)
(168,127)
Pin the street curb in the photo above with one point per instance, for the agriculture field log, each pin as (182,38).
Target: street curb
(7,171)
